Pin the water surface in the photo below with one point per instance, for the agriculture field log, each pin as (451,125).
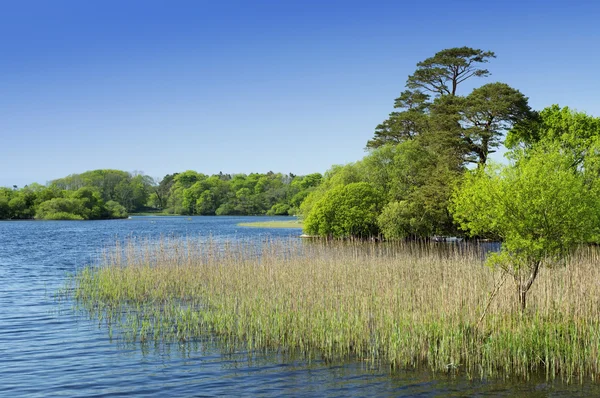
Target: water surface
(48,349)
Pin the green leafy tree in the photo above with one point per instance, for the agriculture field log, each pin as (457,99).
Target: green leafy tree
(22,204)
(574,131)
(279,209)
(346,211)
(114,210)
(442,73)
(421,183)
(337,175)
(160,191)
(406,124)
(486,114)
(132,191)
(92,202)
(226,209)
(469,128)
(5,196)
(541,207)
(206,204)
(62,209)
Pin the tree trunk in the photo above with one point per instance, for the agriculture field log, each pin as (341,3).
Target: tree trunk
(523,286)
(522,300)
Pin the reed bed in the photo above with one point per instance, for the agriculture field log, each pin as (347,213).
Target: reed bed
(407,306)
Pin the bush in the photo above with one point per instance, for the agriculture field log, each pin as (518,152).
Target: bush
(62,209)
(403,219)
(62,216)
(346,211)
(115,210)
(279,209)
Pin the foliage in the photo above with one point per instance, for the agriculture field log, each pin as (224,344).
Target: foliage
(61,215)
(403,125)
(415,183)
(574,131)
(114,210)
(114,193)
(421,151)
(84,204)
(423,182)
(467,127)
(337,175)
(279,209)
(402,219)
(442,73)
(131,191)
(240,194)
(346,211)
(62,208)
(541,207)
(91,201)
(486,114)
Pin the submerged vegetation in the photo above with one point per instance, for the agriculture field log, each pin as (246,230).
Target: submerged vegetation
(403,305)
(273,224)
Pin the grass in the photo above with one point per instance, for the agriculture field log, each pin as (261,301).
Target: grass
(273,224)
(151,213)
(403,306)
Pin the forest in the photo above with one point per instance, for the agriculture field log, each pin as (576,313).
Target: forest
(102,194)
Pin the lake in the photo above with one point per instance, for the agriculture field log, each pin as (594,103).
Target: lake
(49,349)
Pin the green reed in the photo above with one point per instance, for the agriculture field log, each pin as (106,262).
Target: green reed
(408,306)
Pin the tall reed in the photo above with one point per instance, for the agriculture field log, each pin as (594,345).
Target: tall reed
(397,304)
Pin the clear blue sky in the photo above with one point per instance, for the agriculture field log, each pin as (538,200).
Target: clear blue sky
(253,86)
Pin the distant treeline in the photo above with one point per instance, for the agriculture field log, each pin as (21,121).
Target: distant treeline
(240,194)
(104,194)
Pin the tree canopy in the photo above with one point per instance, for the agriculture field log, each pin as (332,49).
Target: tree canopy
(420,152)
(572,130)
(540,207)
(442,73)
(109,193)
(346,211)
(469,127)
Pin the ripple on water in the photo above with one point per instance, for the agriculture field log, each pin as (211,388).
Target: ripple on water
(47,349)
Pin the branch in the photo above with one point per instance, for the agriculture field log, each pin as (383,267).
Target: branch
(494,293)
(532,276)
(466,77)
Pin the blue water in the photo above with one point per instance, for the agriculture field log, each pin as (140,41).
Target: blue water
(47,349)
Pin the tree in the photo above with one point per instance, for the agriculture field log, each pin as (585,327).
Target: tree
(467,127)
(206,204)
(574,131)
(62,209)
(439,75)
(279,209)
(22,204)
(92,202)
(421,178)
(5,196)
(161,190)
(486,114)
(346,211)
(442,73)
(114,210)
(403,125)
(337,175)
(540,206)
